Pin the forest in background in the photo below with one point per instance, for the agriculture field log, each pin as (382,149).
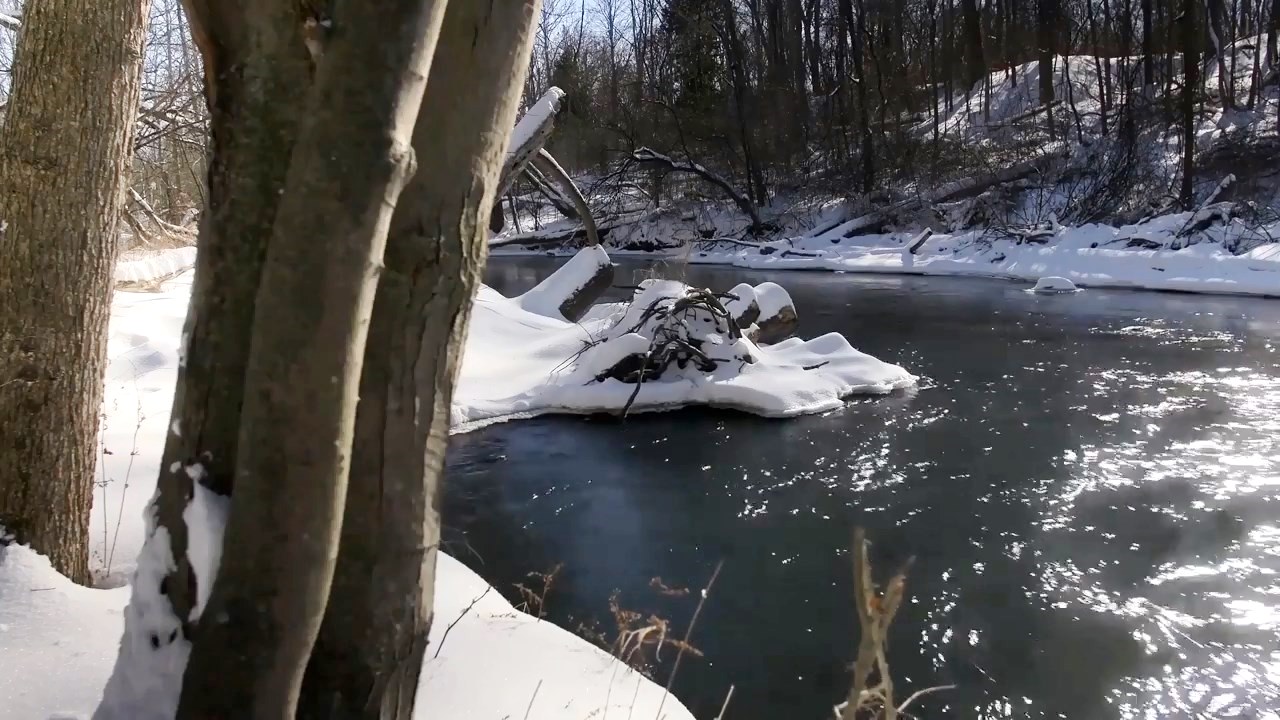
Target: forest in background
(866,101)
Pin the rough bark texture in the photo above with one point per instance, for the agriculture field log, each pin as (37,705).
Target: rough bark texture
(350,162)
(64,150)
(258,74)
(368,658)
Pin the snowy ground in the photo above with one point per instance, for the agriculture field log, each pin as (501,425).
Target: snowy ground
(58,641)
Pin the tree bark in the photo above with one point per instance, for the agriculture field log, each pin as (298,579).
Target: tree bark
(257,76)
(65,149)
(368,658)
(349,164)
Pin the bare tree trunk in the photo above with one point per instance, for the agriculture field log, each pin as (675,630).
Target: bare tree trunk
(1148,70)
(257,75)
(1190,27)
(351,160)
(369,655)
(1046,17)
(975,65)
(65,148)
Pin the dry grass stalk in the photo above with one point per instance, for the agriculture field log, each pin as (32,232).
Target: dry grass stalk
(875,613)
(535,602)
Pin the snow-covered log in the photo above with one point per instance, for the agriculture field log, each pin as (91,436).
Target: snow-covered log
(648,156)
(528,137)
(10,21)
(573,288)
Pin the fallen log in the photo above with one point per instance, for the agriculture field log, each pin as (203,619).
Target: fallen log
(647,156)
(949,192)
(529,135)
(543,162)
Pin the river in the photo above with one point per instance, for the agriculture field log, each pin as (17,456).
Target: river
(1089,486)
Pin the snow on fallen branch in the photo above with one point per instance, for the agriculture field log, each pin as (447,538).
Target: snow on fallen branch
(10,21)
(648,156)
(529,135)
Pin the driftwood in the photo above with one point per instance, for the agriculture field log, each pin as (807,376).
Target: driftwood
(919,240)
(646,156)
(561,235)
(546,164)
(547,189)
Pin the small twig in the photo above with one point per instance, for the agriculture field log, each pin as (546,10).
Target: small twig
(728,696)
(457,620)
(675,667)
(535,697)
(919,693)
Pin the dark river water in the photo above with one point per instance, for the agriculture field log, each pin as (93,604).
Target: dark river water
(1089,485)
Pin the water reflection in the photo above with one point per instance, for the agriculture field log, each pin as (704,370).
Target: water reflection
(1089,487)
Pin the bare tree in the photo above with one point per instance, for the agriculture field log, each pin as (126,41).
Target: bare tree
(64,151)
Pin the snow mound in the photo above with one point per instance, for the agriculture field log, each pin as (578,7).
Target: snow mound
(1050,285)
(149,267)
(57,639)
(674,338)
(497,660)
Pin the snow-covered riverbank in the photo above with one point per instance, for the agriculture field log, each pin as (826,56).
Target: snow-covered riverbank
(1227,257)
(58,641)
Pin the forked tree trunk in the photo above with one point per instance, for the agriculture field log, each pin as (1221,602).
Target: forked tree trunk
(257,75)
(64,152)
(350,162)
(369,655)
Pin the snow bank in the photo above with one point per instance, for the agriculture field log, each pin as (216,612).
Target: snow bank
(1153,255)
(151,266)
(59,642)
(564,367)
